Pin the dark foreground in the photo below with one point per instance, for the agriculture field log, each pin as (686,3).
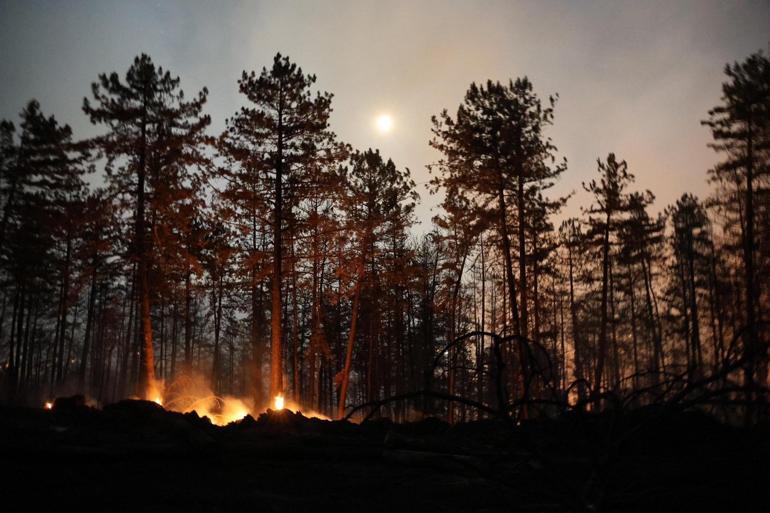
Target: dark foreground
(134,456)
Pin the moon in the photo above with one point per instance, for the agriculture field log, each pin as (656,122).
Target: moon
(384,123)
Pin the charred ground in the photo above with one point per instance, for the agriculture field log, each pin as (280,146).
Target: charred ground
(136,456)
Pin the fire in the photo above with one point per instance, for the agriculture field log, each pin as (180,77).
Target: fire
(281,403)
(220,410)
(192,393)
(232,410)
(155,392)
(48,405)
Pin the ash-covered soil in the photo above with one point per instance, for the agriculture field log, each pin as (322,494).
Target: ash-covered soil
(135,456)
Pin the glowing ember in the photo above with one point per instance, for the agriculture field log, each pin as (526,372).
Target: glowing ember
(158,400)
(48,405)
(278,402)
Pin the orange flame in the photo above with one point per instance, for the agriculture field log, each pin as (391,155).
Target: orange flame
(48,405)
(189,393)
(155,392)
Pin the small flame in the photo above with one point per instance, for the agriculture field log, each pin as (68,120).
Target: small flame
(278,402)
(48,405)
(154,392)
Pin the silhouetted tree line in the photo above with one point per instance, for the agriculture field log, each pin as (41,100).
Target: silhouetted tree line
(273,258)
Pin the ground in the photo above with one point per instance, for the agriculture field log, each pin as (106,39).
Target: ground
(135,456)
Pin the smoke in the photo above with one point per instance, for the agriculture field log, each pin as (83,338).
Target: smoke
(192,392)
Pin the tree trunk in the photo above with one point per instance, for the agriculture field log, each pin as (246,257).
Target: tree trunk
(634,337)
(523,376)
(147,384)
(480,357)
(695,319)
(276,354)
(87,334)
(756,364)
(523,288)
(64,307)
(453,335)
(616,364)
(188,355)
(657,344)
(602,353)
(218,292)
(349,350)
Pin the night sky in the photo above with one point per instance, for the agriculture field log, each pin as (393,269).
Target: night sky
(633,77)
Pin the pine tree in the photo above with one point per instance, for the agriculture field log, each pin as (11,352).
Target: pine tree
(604,218)
(43,190)
(381,197)
(494,150)
(689,244)
(739,127)
(459,229)
(279,135)
(574,241)
(640,238)
(152,126)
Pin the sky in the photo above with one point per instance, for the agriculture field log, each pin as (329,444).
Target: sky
(633,77)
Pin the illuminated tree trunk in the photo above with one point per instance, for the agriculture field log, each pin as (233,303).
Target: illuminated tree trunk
(296,355)
(349,350)
(483,326)
(218,287)
(276,354)
(576,337)
(148,354)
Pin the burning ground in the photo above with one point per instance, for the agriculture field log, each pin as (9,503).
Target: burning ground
(137,456)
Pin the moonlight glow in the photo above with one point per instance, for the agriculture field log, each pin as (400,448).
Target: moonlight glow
(384,123)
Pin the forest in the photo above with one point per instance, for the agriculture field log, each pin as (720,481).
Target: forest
(161,261)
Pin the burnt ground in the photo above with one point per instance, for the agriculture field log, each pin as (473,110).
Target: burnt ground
(135,456)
